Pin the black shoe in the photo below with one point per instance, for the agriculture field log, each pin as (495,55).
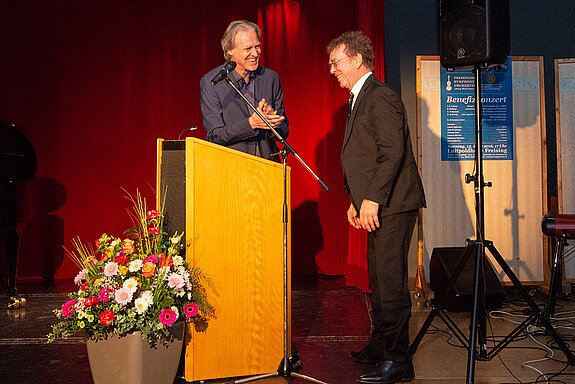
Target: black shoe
(390,372)
(368,355)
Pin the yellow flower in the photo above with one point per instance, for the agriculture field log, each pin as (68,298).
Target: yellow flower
(81,324)
(90,318)
(123,270)
(97,282)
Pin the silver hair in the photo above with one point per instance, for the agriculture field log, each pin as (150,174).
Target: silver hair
(229,37)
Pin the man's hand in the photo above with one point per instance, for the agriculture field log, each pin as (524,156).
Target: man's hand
(352,217)
(268,112)
(368,215)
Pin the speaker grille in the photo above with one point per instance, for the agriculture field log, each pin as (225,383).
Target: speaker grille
(473,33)
(463,35)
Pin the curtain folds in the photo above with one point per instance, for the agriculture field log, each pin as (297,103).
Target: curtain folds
(93,84)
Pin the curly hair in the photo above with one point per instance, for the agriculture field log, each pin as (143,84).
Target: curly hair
(229,37)
(355,42)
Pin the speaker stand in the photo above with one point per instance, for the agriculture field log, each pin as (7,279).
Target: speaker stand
(478,332)
(556,276)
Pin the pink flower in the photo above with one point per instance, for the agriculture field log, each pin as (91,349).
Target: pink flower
(175,281)
(152,214)
(191,309)
(104,294)
(168,317)
(79,279)
(123,296)
(151,259)
(110,269)
(68,308)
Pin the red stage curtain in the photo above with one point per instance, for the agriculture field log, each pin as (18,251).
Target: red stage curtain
(93,84)
(371,24)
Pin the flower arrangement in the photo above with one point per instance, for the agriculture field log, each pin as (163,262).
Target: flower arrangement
(138,283)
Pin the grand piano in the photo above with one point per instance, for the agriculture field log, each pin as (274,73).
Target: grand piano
(17,163)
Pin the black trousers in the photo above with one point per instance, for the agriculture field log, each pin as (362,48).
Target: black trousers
(387,251)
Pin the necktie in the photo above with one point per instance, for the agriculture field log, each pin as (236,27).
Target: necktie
(349,104)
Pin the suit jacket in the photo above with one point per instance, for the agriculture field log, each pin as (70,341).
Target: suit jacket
(377,158)
(225,113)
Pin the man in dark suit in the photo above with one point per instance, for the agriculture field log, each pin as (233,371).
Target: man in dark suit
(386,193)
(227,118)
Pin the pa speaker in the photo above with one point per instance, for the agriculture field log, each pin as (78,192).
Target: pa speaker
(473,33)
(459,298)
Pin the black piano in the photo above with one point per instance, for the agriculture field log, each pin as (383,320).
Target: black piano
(17,163)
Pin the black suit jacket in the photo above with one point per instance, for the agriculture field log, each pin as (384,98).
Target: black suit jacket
(377,158)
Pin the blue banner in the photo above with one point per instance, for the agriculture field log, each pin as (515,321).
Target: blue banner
(458,113)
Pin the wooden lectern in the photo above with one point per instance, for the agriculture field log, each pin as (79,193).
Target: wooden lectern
(230,204)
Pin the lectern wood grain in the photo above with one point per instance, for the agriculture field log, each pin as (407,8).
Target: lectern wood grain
(234,229)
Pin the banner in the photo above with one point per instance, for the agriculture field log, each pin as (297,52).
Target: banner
(458,113)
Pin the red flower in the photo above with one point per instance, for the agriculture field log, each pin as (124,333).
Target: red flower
(165,261)
(106,318)
(153,214)
(122,259)
(90,301)
(154,230)
(84,286)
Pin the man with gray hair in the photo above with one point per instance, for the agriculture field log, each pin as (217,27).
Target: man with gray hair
(228,120)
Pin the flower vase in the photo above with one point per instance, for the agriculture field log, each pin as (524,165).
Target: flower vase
(131,360)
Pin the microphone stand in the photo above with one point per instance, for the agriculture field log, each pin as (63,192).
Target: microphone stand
(286,368)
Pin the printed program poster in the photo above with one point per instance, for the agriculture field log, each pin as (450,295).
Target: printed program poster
(458,113)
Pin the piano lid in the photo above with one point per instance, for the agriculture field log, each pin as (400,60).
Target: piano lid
(17,155)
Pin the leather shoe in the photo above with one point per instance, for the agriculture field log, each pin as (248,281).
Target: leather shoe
(368,355)
(390,372)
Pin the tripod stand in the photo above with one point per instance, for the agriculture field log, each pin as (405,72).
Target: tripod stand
(286,368)
(476,344)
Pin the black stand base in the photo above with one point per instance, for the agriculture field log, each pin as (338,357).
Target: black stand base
(285,369)
(478,322)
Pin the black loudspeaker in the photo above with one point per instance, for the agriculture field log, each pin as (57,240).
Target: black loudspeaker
(473,32)
(459,298)
(173,183)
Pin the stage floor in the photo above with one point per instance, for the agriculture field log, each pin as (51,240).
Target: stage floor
(328,320)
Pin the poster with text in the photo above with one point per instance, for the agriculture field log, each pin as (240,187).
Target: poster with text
(458,113)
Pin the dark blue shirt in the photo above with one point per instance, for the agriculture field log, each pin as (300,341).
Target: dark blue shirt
(225,113)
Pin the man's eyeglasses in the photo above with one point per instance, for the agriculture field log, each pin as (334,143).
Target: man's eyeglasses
(333,63)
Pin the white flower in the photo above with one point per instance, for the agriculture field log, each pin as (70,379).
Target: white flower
(176,238)
(175,281)
(123,296)
(142,305)
(131,284)
(147,296)
(175,309)
(178,260)
(110,269)
(135,265)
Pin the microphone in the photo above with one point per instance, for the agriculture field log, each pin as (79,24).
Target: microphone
(228,67)
(187,129)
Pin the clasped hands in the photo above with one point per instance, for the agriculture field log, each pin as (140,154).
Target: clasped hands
(367,218)
(269,113)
